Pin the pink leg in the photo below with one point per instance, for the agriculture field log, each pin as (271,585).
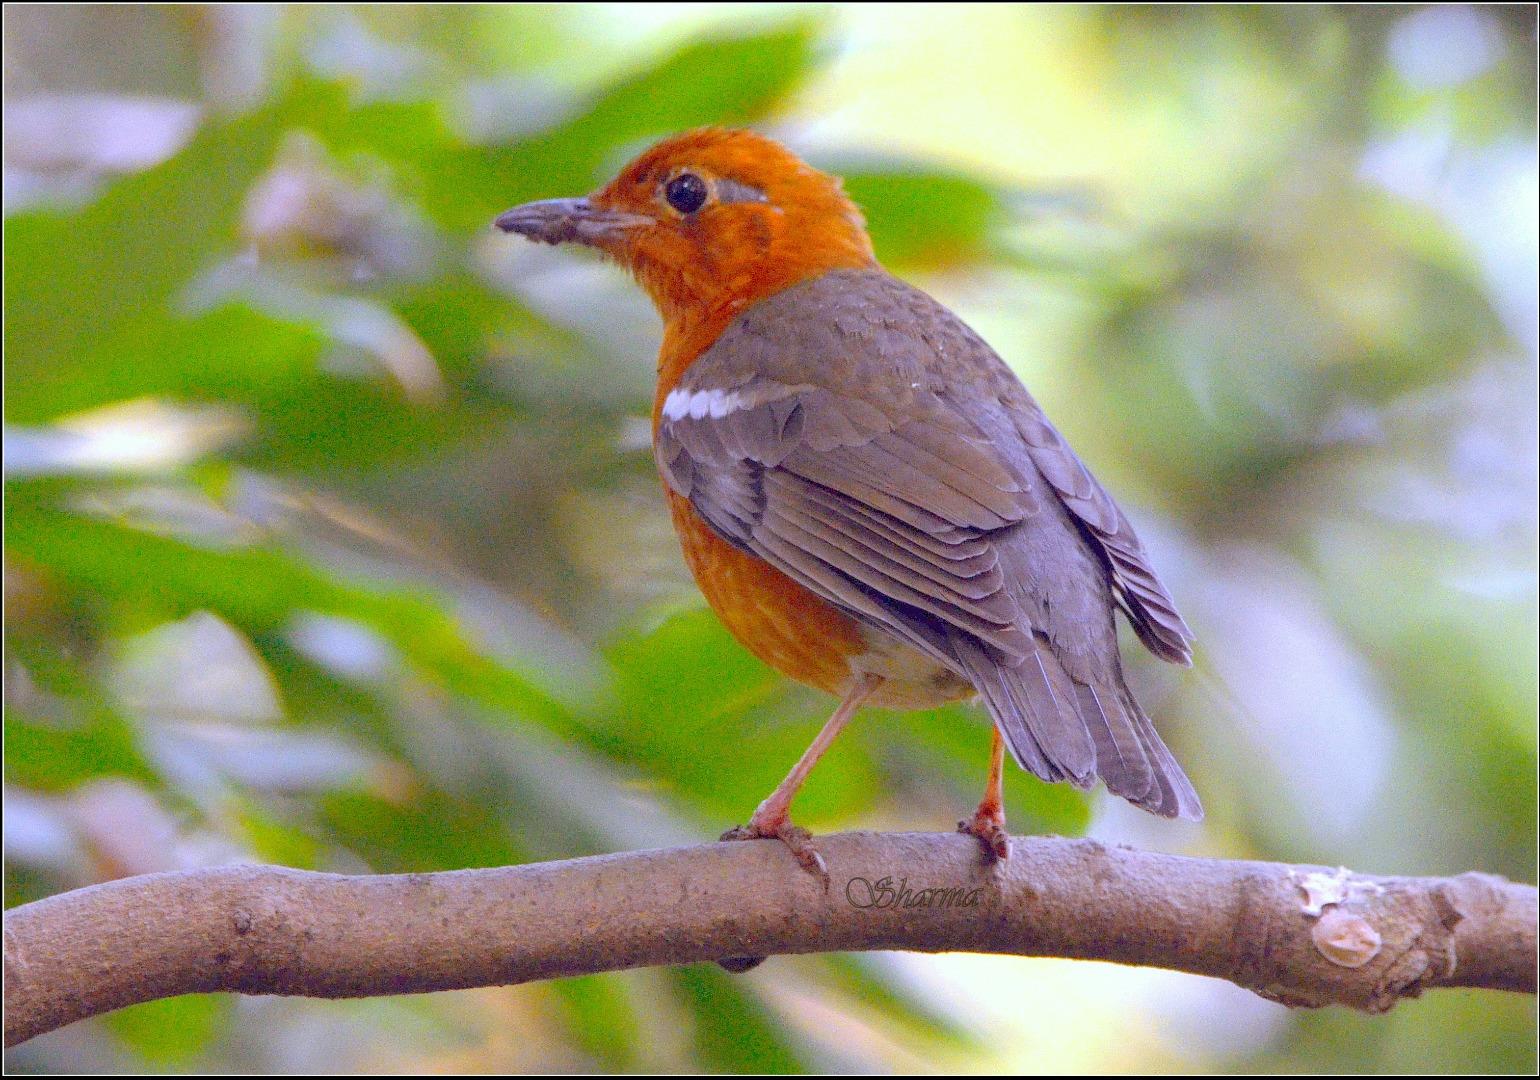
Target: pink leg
(988,821)
(772,818)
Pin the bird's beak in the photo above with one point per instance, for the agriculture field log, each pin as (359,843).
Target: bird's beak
(570,221)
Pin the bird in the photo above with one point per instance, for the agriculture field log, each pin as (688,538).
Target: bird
(864,491)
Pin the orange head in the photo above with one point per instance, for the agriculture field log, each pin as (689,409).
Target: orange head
(710,221)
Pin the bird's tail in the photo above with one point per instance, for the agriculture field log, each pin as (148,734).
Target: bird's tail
(1059,728)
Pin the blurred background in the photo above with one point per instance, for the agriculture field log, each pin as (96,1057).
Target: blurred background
(333,538)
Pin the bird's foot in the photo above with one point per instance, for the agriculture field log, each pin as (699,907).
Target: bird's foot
(798,841)
(989,827)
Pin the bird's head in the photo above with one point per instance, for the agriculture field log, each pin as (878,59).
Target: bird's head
(710,220)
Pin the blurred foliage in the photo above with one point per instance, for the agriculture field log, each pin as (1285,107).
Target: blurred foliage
(332,538)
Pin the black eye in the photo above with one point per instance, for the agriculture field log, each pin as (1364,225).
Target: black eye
(686,193)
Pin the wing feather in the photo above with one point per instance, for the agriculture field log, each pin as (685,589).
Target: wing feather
(1150,608)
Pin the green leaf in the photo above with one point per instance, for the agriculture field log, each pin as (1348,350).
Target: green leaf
(733,1032)
(428,831)
(730,80)
(230,354)
(274,840)
(74,279)
(261,589)
(171,1032)
(58,753)
(51,756)
(922,217)
(600,1018)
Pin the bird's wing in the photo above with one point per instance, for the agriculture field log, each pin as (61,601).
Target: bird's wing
(889,513)
(826,432)
(1149,607)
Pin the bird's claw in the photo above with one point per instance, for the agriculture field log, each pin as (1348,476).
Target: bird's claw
(800,843)
(990,832)
(797,840)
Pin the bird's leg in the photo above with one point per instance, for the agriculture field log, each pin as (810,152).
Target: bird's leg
(988,821)
(772,818)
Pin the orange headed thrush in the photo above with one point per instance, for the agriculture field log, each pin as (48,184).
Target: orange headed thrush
(868,497)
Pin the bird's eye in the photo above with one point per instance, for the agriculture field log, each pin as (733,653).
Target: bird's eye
(686,193)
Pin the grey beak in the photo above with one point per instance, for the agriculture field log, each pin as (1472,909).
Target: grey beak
(569,221)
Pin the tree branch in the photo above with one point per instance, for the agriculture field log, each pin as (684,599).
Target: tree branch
(1300,935)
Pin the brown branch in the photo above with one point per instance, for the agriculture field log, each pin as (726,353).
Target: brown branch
(1300,935)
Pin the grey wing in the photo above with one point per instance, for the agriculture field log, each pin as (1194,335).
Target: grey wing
(1145,600)
(887,516)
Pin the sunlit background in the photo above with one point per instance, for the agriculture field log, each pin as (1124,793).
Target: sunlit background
(333,538)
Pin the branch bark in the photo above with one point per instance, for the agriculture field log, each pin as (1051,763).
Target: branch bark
(1302,935)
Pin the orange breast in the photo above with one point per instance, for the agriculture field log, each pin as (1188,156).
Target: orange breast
(779,621)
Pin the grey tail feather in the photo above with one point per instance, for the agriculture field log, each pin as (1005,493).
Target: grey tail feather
(1033,704)
(1132,758)
(1061,729)
(1120,755)
(1178,799)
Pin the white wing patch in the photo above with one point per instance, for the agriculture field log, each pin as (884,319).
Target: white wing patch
(716,403)
(699,404)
